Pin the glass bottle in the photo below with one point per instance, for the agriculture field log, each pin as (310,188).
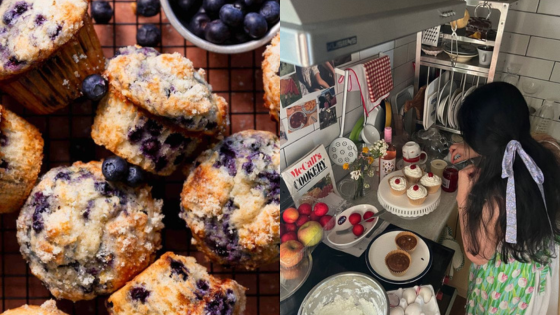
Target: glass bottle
(388,161)
(543,118)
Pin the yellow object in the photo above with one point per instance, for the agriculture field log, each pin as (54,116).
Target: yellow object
(388,114)
(461,23)
(365,150)
(345,166)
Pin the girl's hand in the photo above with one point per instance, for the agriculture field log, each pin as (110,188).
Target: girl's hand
(461,152)
(467,178)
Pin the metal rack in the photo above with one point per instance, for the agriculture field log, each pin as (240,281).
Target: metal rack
(238,78)
(471,68)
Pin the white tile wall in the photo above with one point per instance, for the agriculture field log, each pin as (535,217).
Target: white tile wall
(401,51)
(533,41)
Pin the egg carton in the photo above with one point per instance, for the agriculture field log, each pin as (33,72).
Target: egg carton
(418,300)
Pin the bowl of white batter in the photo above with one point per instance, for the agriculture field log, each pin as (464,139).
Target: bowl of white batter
(346,293)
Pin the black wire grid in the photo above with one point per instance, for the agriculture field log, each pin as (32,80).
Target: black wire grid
(238,78)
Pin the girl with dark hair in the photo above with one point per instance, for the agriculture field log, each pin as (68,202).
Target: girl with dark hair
(508,205)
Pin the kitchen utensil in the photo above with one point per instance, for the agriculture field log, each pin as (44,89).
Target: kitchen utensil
(441,109)
(370,134)
(485,55)
(412,154)
(431,91)
(460,58)
(430,111)
(399,205)
(343,150)
(349,229)
(431,51)
(358,127)
(479,26)
(291,280)
(346,285)
(385,243)
(342,223)
(461,23)
(430,36)
(463,49)
(388,114)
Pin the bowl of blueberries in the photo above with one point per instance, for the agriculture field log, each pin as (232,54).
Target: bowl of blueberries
(225,26)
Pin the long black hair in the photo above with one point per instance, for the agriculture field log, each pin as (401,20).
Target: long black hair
(489,119)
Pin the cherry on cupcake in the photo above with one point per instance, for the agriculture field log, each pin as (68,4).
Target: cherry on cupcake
(430,174)
(358,229)
(413,167)
(415,188)
(397,181)
(355,218)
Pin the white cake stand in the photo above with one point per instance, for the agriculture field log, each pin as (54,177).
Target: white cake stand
(399,205)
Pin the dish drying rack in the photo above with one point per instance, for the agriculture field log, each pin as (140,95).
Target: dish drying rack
(469,71)
(238,78)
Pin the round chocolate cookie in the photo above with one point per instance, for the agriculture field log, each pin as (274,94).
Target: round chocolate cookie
(83,236)
(231,200)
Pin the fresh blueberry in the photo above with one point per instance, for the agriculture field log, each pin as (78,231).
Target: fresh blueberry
(271,12)
(232,15)
(18,10)
(136,176)
(199,23)
(217,32)
(115,168)
(101,11)
(255,25)
(253,3)
(148,35)
(213,6)
(94,87)
(148,7)
(240,36)
(187,5)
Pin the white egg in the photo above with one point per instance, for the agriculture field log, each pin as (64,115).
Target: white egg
(413,309)
(397,311)
(403,304)
(393,300)
(409,295)
(426,294)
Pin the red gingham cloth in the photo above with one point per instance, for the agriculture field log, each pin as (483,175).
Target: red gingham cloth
(379,78)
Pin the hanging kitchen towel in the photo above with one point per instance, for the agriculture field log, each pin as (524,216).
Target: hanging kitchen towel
(379,79)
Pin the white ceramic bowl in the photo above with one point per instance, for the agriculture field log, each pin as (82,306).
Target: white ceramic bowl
(341,223)
(346,285)
(170,7)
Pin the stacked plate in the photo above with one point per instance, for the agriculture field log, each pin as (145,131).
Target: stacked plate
(451,98)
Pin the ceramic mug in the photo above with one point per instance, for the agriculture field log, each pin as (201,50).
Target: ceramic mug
(412,154)
(485,55)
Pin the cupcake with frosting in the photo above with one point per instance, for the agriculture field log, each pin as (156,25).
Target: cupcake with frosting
(413,173)
(417,194)
(432,182)
(398,185)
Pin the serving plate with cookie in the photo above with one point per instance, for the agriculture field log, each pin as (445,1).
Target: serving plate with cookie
(399,257)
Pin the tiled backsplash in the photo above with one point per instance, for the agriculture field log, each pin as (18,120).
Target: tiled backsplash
(532,40)
(401,53)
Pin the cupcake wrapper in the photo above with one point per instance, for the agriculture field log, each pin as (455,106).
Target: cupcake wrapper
(412,180)
(417,202)
(403,234)
(400,273)
(397,192)
(432,189)
(56,82)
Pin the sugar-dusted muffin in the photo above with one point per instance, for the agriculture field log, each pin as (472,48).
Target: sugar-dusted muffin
(48,48)
(178,285)
(167,85)
(271,68)
(48,308)
(83,236)
(21,156)
(231,200)
(141,138)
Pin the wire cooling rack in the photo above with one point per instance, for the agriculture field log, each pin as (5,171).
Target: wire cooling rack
(238,78)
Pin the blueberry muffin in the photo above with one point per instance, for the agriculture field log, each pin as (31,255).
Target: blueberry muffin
(83,236)
(48,48)
(48,308)
(231,200)
(21,155)
(178,285)
(271,76)
(167,85)
(141,138)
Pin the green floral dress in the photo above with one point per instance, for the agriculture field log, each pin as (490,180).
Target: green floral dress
(500,288)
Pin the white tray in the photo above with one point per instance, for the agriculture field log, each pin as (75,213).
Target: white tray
(399,205)
(430,308)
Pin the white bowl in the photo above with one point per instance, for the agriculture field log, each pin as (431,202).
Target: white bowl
(341,223)
(346,285)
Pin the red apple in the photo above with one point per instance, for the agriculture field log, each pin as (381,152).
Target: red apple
(310,234)
(358,230)
(314,217)
(290,215)
(301,220)
(320,209)
(368,215)
(355,218)
(291,227)
(327,222)
(282,229)
(304,209)
(291,253)
(289,237)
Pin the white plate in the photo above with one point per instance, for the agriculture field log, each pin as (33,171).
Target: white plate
(448,107)
(441,108)
(385,243)
(430,109)
(451,117)
(342,223)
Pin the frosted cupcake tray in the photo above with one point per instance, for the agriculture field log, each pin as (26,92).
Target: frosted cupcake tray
(399,205)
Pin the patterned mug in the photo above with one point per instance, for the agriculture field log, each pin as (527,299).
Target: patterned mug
(412,154)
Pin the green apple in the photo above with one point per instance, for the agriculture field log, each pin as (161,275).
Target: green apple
(310,233)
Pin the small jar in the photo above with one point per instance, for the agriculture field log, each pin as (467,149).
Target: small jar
(450,179)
